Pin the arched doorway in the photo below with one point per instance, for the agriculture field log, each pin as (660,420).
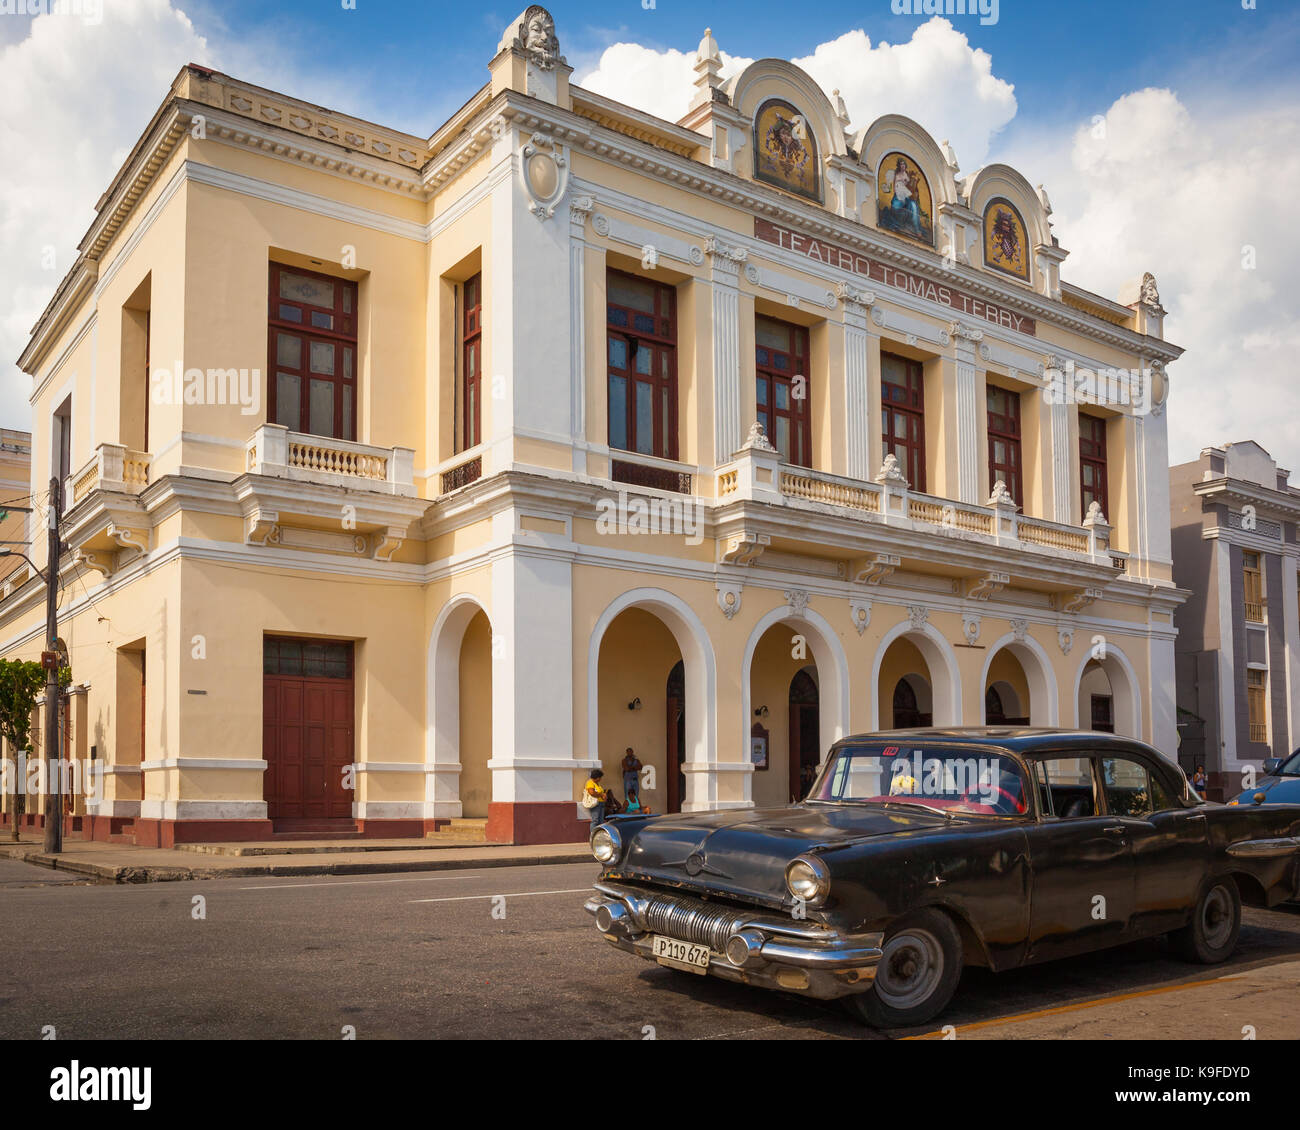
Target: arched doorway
(675,739)
(1106,693)
(911,702)
(649,632)
(1096,699)
(919,657)
(1019,684)
(459,712)
(805,731)
(475,735)
(1002,706)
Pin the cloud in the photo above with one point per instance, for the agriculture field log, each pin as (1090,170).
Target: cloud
(936,77)
(1198,194)
(76,93)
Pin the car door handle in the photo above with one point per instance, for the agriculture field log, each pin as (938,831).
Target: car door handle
(1115,829)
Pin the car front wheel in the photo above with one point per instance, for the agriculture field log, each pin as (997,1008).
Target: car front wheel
(1211,935)
(917,974)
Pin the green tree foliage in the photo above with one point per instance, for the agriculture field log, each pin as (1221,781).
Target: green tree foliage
(21,682)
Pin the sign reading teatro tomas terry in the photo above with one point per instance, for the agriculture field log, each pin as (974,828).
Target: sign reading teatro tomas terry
(845,260)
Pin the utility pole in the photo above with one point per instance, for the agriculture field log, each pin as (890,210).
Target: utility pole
(50,660)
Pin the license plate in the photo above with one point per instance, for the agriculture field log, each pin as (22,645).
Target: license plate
(680,955)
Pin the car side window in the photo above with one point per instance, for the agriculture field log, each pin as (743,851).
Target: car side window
(1131,788)
(1065,787)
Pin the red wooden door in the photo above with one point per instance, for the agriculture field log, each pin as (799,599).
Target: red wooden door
(307,732)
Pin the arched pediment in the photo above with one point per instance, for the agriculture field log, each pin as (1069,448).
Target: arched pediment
(793,126)
(994,182)
(894,132)
(911,177)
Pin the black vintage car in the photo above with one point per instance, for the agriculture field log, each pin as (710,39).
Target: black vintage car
(918,852)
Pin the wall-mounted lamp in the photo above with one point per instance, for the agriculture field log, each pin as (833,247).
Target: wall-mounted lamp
(761,712)
(635,704)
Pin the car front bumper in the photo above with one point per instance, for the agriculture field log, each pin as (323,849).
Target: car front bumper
(795,956)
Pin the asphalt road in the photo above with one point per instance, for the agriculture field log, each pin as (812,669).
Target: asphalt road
(422,956)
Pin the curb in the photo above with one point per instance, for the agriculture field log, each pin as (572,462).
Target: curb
(128,873)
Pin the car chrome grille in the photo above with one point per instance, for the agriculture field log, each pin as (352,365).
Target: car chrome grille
(693,920)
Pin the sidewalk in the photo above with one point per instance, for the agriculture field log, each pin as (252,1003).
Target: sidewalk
(123,863)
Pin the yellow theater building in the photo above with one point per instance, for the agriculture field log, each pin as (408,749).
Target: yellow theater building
(407,479)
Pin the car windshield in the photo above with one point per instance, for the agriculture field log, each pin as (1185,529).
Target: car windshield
(943,779)
(1291,766)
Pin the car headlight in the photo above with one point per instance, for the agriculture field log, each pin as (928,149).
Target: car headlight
(807,879)
(606,845)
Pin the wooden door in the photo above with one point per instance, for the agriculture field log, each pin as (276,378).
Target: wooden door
(307,728)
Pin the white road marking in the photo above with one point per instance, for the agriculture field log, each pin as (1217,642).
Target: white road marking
(516,895)
(360,882)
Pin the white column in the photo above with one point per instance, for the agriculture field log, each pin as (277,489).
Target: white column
(725,278)
(857,396)
(1062,462)
(580,209)
(965,339)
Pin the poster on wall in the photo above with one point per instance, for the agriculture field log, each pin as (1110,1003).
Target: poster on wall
(758,747)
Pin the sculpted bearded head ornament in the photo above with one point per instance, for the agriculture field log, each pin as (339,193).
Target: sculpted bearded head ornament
(536,36)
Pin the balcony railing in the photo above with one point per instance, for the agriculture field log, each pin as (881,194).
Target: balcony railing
(276,451)
(757,474)
(113,468)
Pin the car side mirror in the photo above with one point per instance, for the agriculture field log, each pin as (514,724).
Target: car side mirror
(1259,798)
(1272,765)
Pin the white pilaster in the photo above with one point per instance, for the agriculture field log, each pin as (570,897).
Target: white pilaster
(725,278)
(1062,500)
(965,339)
(857,406)
(580,209)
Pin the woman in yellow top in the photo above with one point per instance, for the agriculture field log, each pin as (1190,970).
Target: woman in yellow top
(593,788)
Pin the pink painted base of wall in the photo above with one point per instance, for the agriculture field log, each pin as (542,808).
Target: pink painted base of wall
(536,823)
(167,833)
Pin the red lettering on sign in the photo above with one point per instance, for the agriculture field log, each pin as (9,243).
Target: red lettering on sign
(825,253)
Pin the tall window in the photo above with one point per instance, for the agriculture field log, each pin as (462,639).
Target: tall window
(642,343)
(781,362)
(1255,683)
(1004,441)
(902,413)
(1252,576)
(1092,463)
(471,364)
(61,440)
(313,347)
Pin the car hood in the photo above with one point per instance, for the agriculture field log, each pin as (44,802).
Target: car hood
(744,852)
(1276,790)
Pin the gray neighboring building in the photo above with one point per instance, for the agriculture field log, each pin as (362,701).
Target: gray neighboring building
(1237,656)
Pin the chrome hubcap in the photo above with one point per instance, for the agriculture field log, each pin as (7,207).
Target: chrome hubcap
(1216,918)
(910,969)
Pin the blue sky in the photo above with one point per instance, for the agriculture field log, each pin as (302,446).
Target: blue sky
(1066,58)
